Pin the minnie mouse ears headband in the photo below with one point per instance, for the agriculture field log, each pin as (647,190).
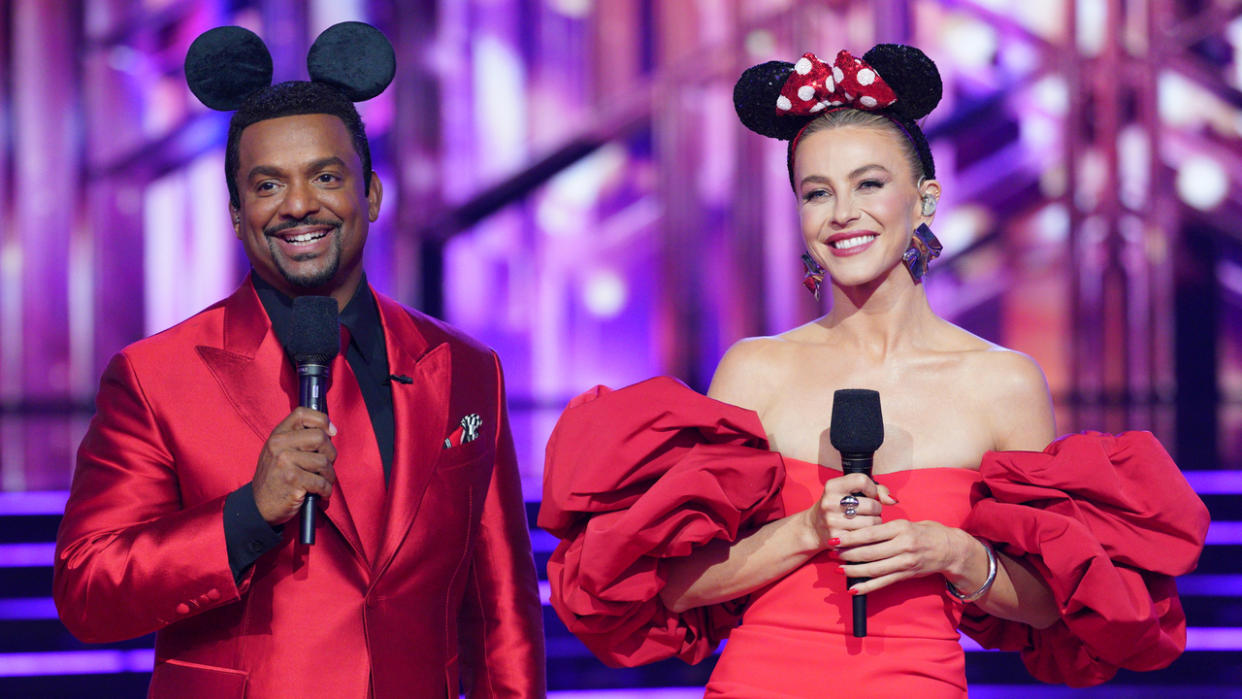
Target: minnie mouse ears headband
(777,99)
(226,65)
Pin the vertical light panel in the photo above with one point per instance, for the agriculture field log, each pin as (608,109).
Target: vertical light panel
(45,179)
(209,261)
(189,243)
(325,13)
(165,242)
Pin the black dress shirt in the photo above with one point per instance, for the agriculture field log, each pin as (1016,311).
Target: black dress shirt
(247,535)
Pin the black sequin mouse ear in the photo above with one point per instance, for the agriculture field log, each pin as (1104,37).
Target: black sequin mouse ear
(354,57)
(912,76)
(225,65)
(754,98)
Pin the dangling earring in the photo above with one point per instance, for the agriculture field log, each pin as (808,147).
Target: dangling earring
(814,277)
(924,247)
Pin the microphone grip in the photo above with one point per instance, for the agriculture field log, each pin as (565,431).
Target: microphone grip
(312,393)
(860,610)
(858,463)
(307,528)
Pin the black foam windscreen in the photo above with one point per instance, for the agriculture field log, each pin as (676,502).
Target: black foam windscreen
(857,425)
(316,333)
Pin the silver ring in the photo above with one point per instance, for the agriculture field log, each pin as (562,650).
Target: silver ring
(849,506)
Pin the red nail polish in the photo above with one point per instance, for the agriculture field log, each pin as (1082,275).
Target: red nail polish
(834,541)
(840,570)
(853,592)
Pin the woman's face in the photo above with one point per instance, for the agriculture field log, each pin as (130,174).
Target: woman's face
(857,201)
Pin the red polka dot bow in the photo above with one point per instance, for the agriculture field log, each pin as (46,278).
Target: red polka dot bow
(814,86)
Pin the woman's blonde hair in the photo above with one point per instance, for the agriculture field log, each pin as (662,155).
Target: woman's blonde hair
(857,117)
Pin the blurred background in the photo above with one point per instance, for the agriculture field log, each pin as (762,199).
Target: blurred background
(567,181)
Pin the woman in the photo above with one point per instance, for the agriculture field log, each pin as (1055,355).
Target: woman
(668,539)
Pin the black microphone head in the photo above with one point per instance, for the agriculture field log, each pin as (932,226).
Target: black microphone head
(316,333)
(857,425)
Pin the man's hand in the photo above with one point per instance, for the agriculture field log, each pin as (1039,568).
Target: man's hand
(296,460)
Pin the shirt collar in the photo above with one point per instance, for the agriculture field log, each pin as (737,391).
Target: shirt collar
(360,315)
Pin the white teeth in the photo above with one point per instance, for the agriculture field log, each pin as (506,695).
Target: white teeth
(304,238)
(853,242)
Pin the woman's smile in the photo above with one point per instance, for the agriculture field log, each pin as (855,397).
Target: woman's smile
(847,244)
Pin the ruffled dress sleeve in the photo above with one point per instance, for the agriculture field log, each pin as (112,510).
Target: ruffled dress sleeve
(1108,522)
(632,478)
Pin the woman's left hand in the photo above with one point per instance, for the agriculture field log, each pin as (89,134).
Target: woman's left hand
(901,549)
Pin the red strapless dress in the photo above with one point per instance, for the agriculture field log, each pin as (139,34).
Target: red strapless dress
(798,629)
(637,476)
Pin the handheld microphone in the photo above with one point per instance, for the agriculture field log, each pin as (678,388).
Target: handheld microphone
(857,431)
(313,343)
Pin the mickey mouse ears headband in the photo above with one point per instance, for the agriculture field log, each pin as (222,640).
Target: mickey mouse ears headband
(776,99)
(226,65)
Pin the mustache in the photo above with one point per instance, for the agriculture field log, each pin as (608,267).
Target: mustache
(308,221)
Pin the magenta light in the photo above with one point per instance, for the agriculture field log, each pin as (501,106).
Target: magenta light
(34,502)
(1214,638)
(76,662)
(92,662)
(27,609)
(1215,482)
(27,555)
(1210,586)
(644,693)
(1224,534)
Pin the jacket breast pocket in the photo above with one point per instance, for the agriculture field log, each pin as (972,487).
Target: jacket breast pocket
(453,458)
(176,678)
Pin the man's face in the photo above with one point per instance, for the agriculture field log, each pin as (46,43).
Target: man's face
(304,210)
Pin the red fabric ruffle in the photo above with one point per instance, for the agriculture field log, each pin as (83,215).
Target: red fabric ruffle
(672,471)
(1107,521)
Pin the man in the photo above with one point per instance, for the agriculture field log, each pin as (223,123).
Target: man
(178,520)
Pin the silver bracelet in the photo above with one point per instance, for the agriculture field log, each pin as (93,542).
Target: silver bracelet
(987,584)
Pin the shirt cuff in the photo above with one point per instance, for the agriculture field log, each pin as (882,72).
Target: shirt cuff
(247,536)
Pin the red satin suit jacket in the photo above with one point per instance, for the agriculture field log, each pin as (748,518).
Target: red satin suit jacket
(405,587)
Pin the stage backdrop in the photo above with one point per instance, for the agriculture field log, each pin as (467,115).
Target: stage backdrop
(567,181)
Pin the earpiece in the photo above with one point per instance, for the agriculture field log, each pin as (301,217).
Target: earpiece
(929,205)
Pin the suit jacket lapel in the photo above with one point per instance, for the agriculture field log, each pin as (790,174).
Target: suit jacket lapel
(259,381)
(420,414)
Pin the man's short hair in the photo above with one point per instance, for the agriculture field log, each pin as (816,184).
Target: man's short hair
(289,99)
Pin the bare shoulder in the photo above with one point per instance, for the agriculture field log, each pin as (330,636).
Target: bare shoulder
(998,371)
(1009,374)
(750,371)
(1014,391)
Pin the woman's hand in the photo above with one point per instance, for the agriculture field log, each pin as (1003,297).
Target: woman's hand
(901,549)
(830,520)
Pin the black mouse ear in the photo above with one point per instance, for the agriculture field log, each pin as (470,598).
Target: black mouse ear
(912,76)
(754,98)
(225,65)
(353,57)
